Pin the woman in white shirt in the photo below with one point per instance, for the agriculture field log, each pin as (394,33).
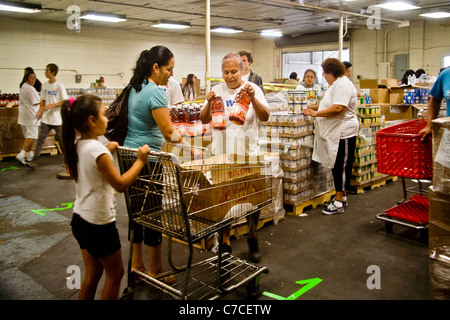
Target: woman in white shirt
(29,101)
(336,127)
(308,81)
(238,139)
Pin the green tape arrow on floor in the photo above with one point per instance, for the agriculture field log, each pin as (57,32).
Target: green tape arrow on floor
(310,283)
(41,211)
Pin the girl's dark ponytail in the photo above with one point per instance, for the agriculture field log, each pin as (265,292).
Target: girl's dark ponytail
(68,135)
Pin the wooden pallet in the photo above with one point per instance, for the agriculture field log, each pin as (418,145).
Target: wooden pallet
(53,151)
(296,210)
(372,185)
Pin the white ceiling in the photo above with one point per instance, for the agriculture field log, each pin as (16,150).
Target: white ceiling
(251,16)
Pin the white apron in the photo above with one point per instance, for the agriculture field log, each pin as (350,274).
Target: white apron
(327,133)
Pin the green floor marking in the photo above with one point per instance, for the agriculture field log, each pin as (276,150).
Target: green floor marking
(41,211)
(310,283)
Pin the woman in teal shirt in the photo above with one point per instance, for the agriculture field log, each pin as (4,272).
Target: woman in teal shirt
(149,123)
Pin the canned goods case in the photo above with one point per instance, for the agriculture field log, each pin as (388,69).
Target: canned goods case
(189,200)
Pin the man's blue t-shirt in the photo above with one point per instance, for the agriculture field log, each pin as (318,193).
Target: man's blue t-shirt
(142,127)
(441,88)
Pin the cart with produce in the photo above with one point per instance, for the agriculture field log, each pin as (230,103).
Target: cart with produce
(187,200)
(402,152)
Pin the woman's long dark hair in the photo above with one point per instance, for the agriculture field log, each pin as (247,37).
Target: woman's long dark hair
(189,85)
(25,77)
(75,117)
(144,65)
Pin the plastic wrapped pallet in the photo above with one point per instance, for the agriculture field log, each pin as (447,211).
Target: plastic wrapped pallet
(441,155)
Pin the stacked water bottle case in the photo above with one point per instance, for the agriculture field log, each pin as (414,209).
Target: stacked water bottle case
(291,135)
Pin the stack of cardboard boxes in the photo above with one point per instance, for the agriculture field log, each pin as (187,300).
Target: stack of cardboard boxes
(390,97)
(439,211)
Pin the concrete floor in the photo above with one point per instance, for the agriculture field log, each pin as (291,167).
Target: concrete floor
(37,247)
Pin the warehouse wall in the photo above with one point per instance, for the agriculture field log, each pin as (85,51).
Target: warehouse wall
(425,42)
(112,54)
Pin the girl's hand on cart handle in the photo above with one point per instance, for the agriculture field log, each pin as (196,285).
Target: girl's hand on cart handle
(143,153)
(112,146)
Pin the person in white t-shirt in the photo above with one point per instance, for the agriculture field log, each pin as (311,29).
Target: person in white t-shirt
(90,164)
(173,92)
(53,94)
(336,128)
(241,140)
(28,106)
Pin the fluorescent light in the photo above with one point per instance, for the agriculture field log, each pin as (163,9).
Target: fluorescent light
(103,17)
(271,33)
(397,6)
(225,30)
(436,15)
(22,8)
(171,25)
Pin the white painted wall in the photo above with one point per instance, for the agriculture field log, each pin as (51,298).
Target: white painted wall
(99,52)
(425,42)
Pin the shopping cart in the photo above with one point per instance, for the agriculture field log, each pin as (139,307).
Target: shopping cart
(402,152)
(189,200)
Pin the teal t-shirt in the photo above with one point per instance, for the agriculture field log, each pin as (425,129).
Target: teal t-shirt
(142,127)
(441,88)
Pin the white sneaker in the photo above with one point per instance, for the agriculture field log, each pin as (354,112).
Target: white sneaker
(21,159)
(30,156)
(333,208)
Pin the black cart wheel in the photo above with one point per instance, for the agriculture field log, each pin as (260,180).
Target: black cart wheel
(253,287)
(424,235)
(127,294)
(388,226)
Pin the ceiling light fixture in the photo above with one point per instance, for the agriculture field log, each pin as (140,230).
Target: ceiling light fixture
(271,33)
(19,7)
(89,15)
(397,6)
(225,30)
(436,15)
(171,25)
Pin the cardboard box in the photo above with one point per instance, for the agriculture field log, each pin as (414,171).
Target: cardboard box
(368,83)
(441,155)
(440,273)
(395,98)
(439,218)
(388,83)
(227,190)
(397,112)
(378,93)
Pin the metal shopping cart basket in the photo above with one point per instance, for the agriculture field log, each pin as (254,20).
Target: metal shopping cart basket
(401,152)
(189,200)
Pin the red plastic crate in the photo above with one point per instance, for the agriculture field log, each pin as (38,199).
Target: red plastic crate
(402,153)
(414,210)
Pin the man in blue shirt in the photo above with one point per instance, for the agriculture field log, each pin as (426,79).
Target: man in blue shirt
(440,90)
